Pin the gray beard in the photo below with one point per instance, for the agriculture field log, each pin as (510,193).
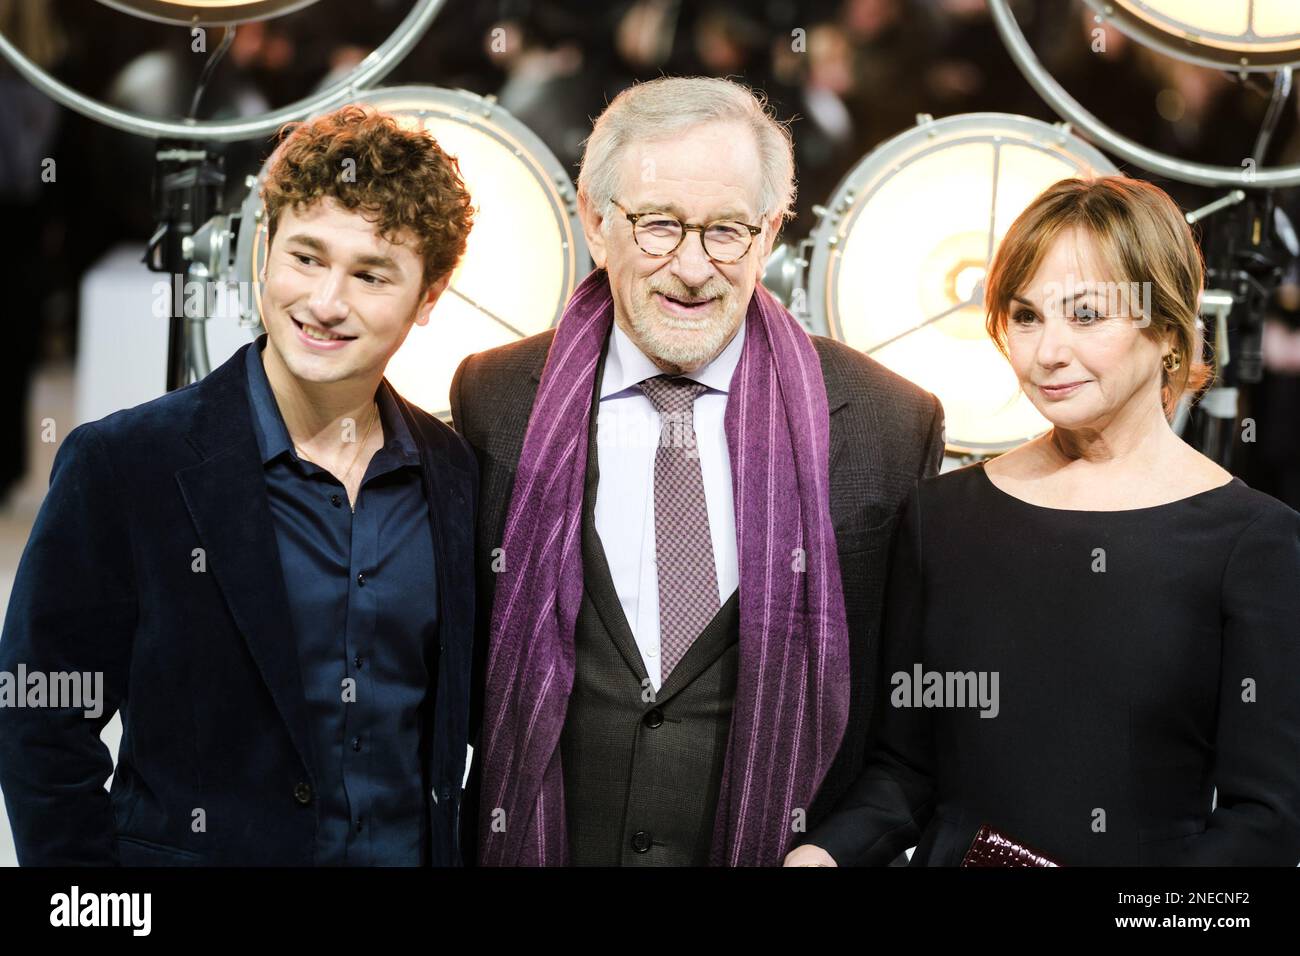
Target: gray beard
(699,347)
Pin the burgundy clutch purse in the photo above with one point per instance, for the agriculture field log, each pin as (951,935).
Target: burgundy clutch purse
(991,848)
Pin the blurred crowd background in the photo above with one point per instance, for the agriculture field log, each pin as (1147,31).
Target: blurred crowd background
(849,74)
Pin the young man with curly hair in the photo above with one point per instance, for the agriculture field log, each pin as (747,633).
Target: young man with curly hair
(269,572)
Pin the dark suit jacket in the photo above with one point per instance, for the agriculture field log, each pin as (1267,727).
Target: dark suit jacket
(886,434)
(196,647)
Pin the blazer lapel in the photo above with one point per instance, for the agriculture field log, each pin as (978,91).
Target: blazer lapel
(227,501)
(836,399)
(451,548)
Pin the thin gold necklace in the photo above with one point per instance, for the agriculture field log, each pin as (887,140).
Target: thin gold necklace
(355,458)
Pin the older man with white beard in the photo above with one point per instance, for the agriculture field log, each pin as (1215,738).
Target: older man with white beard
(686,507)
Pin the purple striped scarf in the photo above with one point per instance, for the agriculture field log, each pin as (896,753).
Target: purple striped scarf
(792,689)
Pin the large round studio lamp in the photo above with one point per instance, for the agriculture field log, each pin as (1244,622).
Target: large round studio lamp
(1256,177)
(367,73)
(206,12)
(525,254)
(1250,35)
(899,258)
(189,169)
(1248,239)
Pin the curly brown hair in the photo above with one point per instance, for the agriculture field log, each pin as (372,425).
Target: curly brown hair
(398,176)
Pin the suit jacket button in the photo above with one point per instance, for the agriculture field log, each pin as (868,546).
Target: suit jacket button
(641,841)
(654,719)
(302,793)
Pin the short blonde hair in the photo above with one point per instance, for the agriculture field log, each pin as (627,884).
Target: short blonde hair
(1141,236)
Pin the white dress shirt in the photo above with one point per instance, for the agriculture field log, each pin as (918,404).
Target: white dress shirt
(627,436)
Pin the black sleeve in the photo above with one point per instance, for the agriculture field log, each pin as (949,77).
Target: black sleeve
(482,605)
(73,610)
(469,806)
(454,396)
(890,803)
(935,443)
(1256,819)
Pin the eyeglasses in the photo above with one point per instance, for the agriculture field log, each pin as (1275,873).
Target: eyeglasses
(659,234)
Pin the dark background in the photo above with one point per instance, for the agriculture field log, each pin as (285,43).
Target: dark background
(866,68)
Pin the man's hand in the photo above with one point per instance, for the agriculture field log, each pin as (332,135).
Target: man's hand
(809,855)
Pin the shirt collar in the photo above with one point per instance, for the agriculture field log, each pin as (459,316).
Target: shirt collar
(268,423)
(273,436)
(627,366)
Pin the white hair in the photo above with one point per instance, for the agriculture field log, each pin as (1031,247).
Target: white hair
(663,108)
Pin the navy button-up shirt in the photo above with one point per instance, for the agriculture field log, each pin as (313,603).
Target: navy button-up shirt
(363,601)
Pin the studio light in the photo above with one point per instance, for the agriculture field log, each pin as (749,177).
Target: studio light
(1248,242)
(899,258)
(206,12)
(1249,35)
(525,254)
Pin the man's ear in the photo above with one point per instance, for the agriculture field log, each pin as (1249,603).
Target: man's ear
(431,299)
(592,220)
(770,233)
(261,275)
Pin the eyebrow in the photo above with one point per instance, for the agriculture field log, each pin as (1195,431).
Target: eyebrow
(369,260)
(672,207)
(1077,296)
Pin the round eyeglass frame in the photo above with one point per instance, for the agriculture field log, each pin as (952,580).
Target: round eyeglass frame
(632,217)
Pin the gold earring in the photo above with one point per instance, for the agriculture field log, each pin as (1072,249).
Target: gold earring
(1173,361)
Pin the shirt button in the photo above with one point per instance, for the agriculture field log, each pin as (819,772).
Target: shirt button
(302,793)
(641,841)
(652,652)
(358,661)
(356,743)
(335,500)
(361,579)
(654,719)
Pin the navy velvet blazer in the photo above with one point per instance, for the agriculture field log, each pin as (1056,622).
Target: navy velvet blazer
(153,560)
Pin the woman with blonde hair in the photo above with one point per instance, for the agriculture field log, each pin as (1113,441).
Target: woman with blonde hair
(1092,642)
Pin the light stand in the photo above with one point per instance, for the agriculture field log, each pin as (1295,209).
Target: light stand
(188,182)
(189,174)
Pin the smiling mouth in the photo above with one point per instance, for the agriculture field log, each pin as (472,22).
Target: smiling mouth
(691,304)
(319,334)
(1062,388)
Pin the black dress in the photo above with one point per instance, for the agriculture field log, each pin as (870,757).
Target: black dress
(1143,658)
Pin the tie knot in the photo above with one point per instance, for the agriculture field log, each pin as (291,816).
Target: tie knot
(671,395)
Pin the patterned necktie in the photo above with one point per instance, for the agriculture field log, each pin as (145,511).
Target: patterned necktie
(688,580)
